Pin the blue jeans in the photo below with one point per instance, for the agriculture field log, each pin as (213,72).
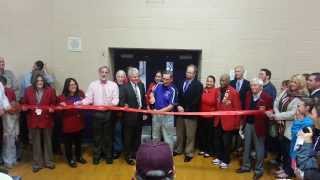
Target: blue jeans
(117,138)
(163,125)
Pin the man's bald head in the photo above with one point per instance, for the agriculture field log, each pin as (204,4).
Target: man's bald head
(224,80)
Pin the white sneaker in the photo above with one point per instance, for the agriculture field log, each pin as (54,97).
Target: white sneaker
(223,165)
(216,162)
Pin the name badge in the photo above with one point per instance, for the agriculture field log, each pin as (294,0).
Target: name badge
(38,112)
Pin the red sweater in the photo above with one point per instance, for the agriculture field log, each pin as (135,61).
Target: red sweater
(10,94)
(261,120)
(72,120)
(208,100)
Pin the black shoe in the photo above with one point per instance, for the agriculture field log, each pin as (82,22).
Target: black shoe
(116,155)
(72,164)
(50,166)
(242,170)
(35,169)
(257,176)
(82,161)
(130,161)
(96,161)
(187,159)
(176,154)
(109,160)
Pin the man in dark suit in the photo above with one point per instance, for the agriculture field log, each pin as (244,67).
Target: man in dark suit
(132,95)
(240,84)
(189,97)
(313,85)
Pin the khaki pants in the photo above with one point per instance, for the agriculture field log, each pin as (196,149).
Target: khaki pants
(186,135)
(41,157)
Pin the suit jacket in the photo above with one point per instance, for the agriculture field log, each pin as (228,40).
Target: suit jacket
(44,120)
(260,120)
(243,90)
(316,94)
(190,100)
(127,96)
(229,123)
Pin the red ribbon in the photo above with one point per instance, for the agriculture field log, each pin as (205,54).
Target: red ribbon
(116,108)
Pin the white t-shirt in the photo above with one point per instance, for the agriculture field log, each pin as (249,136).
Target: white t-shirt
(4,102)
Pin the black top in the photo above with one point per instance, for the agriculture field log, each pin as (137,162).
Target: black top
(128,96)
(317,94)
(243,90)
(253,106)
(190,99)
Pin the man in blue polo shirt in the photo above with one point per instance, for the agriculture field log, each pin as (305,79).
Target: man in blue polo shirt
(164,99)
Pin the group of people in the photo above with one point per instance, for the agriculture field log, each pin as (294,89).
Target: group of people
(289,128)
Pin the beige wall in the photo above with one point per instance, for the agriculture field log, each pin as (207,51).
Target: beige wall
(283,35)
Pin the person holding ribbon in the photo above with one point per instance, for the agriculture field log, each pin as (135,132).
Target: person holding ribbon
(189,98)
(206,123)
(132,95)
(285,107)
(10,126)
(40,121)
(164,101)
(228,99)
(72,121)
(121,79)
(255,127)
(106,93)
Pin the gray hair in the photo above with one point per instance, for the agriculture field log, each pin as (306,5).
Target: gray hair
(133,71)
(121,72)
(257,81)
(239,67)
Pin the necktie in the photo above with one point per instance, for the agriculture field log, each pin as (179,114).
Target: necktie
(238,85)
(136,90)
(104,94)
(186,85)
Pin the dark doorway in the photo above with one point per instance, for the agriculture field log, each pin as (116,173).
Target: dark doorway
(151,60)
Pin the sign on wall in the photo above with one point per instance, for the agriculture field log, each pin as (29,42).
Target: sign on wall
(74,44)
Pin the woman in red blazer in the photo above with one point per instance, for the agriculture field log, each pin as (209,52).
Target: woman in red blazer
(40,121)
(228,99)
(205,125)
(72,121)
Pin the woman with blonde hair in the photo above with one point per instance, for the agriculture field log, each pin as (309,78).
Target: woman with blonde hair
(285,108)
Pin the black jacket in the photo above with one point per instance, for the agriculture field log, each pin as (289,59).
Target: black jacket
(243,90)
(127,96)
(316,94)
(190,100)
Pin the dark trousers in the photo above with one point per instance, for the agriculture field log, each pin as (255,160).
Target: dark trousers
(117,144)
(285,145)
(23,128)
(102,135)
(223,144)
(71,139)
(206,135)
(56,134)
(132,139)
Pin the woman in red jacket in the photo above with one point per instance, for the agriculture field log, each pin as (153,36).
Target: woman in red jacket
(40,121)
(72,121)
(206,127)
